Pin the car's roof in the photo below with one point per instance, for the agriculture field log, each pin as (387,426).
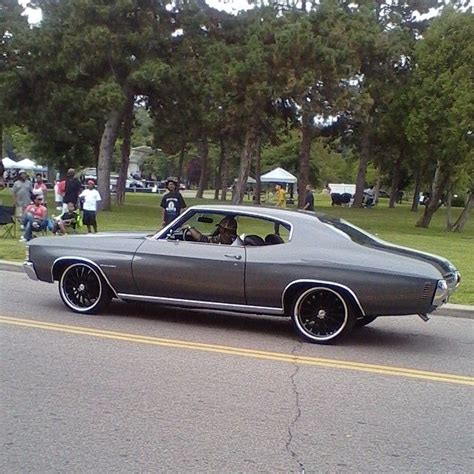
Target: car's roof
(271,212)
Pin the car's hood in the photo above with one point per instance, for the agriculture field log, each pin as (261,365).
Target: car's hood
(102,241)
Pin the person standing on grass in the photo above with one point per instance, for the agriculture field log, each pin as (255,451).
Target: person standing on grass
(40,189)
(172,202)
(90,197)
(72,189)
(280,196)
(22,189)
(309,199)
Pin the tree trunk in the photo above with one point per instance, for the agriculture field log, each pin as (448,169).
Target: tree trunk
(182,154)
(433,204)
(258,171)
(96,150)
(1,141)
(203,150)
(218,182)
(125,150)
(107,143)
(303,162)
(395,181)
(225,172)
(363,163)
(248,151)
(416,197)
(449,209)
(463,218)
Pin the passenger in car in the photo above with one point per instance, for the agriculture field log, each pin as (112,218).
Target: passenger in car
(227,233)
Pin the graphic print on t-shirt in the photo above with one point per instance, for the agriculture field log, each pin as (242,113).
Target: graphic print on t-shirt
(172,203)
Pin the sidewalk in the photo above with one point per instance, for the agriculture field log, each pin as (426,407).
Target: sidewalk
(452,310)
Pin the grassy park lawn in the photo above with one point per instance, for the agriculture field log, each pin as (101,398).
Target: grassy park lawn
(141,212)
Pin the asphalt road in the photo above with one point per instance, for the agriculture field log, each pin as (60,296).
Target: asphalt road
(144,388)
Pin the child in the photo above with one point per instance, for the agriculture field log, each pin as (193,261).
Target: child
(90,197)
(66,219)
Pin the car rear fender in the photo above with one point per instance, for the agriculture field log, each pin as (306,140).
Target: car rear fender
(297,286)
(60,264)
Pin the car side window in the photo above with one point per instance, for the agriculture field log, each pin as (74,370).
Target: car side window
(251,230)
(260,231)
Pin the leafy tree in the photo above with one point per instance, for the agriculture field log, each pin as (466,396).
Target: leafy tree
(13,32)
(313,56)
(440,123)
(107,46)
(384,47)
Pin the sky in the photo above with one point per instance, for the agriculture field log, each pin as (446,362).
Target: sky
(231,6)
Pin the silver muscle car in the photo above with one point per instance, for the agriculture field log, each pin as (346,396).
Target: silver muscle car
(323,272)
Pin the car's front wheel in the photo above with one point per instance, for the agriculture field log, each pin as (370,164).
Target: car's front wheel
(322,315)
(83,290)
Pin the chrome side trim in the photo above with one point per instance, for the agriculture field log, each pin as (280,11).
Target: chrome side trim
(85,260)
(30,270)
(203,304)
(323,282)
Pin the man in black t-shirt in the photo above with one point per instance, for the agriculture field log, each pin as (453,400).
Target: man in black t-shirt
(309,199)
(72,190)
(172,202)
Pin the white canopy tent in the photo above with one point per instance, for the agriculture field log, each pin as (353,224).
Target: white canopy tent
(8,163)
(28,164)
(278,175)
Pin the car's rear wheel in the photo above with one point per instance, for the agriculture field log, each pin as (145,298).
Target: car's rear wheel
(83,290)
(322,315)
(364,320)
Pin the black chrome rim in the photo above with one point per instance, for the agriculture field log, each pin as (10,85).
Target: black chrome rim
(81,287)
(321,313)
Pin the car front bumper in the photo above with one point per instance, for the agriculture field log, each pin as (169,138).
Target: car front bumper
(30,270)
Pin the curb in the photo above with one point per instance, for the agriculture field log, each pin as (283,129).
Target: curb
(10,266)
(449,309)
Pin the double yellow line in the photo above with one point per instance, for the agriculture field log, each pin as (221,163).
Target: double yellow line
(235,351)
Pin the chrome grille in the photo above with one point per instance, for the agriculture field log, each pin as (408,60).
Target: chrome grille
(427,291)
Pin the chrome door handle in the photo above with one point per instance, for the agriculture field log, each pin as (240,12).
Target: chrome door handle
(237,257)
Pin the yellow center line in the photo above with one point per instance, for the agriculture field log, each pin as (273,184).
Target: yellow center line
(256,354)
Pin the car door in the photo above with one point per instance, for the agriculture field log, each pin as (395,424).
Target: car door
(190,271)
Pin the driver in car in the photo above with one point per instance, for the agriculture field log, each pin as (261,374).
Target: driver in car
(227,233)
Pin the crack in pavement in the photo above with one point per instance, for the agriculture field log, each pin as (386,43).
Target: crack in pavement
(294,388)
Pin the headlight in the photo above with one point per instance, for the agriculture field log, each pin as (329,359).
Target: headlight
(441,294)
(27,253)
(442,285)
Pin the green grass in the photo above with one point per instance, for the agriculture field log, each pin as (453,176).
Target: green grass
(142,212)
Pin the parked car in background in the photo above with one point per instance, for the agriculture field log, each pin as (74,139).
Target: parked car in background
(322,272)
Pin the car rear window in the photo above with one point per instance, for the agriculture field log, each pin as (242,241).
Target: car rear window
(357,235)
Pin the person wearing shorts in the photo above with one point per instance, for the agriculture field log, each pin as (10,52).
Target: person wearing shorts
(90,197)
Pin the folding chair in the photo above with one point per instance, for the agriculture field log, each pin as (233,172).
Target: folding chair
(8,222)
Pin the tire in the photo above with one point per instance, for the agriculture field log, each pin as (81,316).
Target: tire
(322,315)
(83,290)
(364,320)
